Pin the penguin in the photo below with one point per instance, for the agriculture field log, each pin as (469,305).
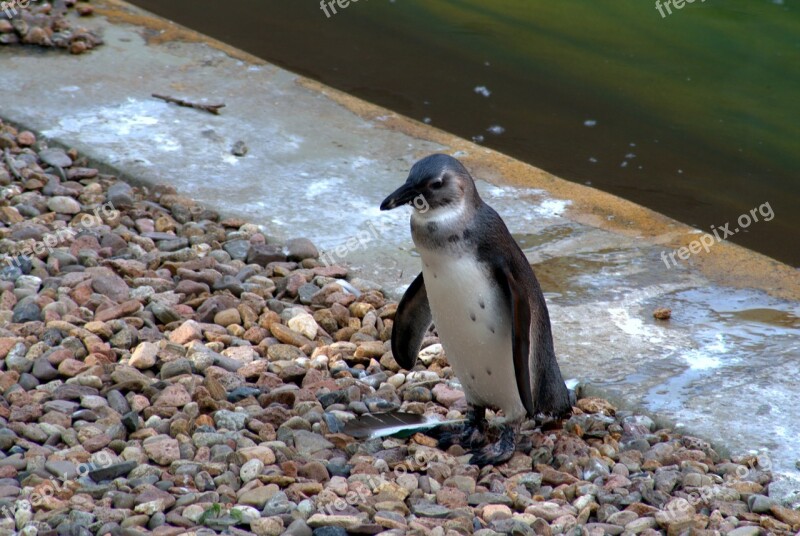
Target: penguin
(478,290)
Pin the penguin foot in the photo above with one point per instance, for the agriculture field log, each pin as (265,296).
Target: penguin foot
(469,435)
(498,452)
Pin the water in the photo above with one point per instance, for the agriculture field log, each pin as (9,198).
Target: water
(693,114)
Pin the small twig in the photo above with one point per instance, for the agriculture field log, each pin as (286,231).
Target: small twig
(10,165)
(210,108)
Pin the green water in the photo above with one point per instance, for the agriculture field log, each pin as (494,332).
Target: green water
(694,114)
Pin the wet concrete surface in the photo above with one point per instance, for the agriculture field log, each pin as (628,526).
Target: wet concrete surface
(724,367)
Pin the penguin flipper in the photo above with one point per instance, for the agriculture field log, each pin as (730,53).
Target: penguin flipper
(520,335)
(411,322)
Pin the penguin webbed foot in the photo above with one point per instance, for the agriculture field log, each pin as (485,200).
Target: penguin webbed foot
(469,434)
(498,452)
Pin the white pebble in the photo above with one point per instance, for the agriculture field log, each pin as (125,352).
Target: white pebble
(422,376)
(248,513)
(428,354)
(304,324)
(397,380)
(251,469)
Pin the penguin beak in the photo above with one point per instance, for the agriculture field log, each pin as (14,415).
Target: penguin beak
(401,196)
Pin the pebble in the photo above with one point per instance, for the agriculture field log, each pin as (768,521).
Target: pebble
(230,420)
(63,205)
(237,249)
(269,526)
(227,317)
(304,324)
(144,356)
(251,469)
(26,311)
(162,449)
(259,496)
(121,195)
(423,509)
(113,471)
(495,512)
(55,157)
(339,521)
(745,531)
(265,254)
(299,249)
(188,331)
(448,396)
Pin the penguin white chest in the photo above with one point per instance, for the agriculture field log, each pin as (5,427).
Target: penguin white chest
(474,325)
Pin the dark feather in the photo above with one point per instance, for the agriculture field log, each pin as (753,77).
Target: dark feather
(520,334)
(411,322)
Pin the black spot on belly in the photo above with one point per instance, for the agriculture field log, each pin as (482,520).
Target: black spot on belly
(432,227)
(472,316)
(482,304)
(472,376)
(491,328)
(434,275)
(489,372)
(453,238)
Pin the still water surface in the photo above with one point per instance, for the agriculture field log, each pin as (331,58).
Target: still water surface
(694,114)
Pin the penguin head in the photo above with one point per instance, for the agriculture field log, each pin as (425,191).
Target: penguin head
(437,181)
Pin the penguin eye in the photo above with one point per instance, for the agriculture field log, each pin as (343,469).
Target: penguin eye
(437,184)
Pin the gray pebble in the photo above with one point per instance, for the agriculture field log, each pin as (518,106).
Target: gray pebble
(120,194)
(26,311)
(237,249)
(299,249)
(230,420)
(55,157)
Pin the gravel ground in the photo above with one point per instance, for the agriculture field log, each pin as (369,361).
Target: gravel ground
(167,371)
(47,25)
